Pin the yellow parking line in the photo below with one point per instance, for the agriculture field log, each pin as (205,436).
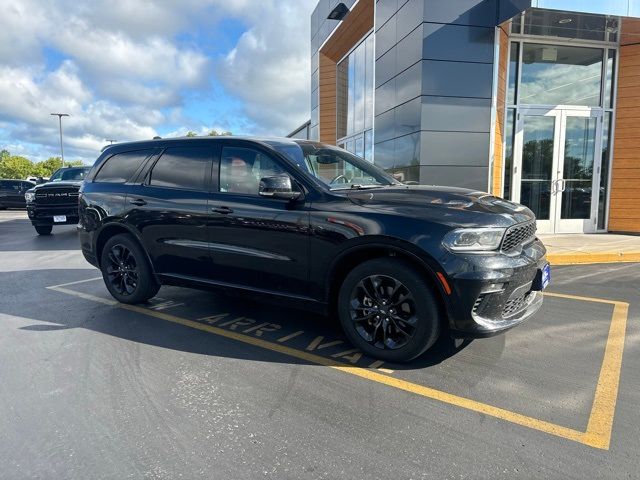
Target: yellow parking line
(598,433)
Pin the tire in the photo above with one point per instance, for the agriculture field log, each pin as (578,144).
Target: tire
(411,327)
(44,229)
(126,270)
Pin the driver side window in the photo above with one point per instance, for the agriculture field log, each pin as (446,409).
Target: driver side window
(242,168)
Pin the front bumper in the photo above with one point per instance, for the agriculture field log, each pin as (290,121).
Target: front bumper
(493,293)
(43,215)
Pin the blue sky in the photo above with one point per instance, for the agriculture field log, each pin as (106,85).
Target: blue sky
(132,69)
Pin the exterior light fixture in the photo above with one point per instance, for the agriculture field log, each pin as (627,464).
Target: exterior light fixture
(564,21)
(339,12)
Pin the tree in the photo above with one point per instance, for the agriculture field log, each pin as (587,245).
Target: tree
(13,166)
(215,133)
(191,134)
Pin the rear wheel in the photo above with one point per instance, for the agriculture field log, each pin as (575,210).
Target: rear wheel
(388,310)
(44,229)
(126,270)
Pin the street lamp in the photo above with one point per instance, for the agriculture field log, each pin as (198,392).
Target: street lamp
(110,140)
(60,115)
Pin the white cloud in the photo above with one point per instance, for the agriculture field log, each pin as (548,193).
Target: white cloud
(124,69)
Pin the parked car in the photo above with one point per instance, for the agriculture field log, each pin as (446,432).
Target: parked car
(37,180)
(12,193)
(56,201)
(318,226)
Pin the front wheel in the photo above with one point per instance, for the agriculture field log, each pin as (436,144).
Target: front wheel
(44,229)
(126,270)
(388,310)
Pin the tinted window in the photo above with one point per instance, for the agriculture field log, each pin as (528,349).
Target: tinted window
(70,174)
(182,167)
(121,167)
(242,168)
(28,185)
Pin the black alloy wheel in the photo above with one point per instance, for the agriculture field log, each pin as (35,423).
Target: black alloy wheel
(122,270)
(384,312)
(389,309)
(126,271)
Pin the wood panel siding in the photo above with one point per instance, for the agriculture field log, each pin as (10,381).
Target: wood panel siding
(499,128)
(624,211)
(352,29)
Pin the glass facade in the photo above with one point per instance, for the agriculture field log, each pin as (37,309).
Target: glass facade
(354,95)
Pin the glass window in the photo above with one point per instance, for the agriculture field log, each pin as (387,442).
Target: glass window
(513,73)
(368,145)
(560,75)
(516,24)
(120,167)
(573,25)
(604,171)
(510,129)
(70,174)
(608,86)
(182,167)
(355,86)
(334,167)
(242,168)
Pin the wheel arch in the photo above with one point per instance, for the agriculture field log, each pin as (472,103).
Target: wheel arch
(354,255)
(115,228)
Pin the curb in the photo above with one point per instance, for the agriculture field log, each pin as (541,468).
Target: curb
(593,258)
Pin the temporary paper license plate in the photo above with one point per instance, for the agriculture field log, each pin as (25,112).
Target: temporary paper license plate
(59,218)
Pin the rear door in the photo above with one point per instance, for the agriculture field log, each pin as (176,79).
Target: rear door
(15,195)
(258,242)
(169,208)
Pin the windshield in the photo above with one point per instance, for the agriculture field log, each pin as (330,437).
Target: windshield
(335,167)
(70,174)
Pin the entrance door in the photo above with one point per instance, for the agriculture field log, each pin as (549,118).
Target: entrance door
(556,169)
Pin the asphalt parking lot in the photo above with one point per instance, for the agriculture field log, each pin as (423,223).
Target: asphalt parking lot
(202,385)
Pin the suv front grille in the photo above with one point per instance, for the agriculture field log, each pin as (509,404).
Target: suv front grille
(518,235)
(57,196)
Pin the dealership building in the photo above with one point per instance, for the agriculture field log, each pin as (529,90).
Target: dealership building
(537,101)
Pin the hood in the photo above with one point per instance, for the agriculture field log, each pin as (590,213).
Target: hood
(454,206)
(63,184)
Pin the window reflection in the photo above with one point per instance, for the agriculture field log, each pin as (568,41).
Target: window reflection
(537,161)
(560,75)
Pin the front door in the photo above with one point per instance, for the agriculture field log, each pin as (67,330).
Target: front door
(557,168)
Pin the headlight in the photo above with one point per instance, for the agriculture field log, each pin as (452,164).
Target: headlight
(474,239)
(30,196)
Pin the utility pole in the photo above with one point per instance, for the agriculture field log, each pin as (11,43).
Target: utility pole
(60,115)
(110,140)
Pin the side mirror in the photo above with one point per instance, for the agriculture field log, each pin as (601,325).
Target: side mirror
(40,180)
(277,187)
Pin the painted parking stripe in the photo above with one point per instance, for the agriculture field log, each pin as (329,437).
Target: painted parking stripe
(600,424)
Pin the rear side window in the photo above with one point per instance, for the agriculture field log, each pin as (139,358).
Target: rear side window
(121,167)
(182,167)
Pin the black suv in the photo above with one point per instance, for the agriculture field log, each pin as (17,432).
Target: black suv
(316,225)
(12,193)
(55,202)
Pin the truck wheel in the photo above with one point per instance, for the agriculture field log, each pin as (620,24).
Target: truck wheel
(388,310)
(44,229)
(126,270)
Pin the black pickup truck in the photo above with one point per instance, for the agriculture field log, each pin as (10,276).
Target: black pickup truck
(55,202)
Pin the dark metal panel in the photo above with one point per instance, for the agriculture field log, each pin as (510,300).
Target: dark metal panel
(466,177)
(386,67)
(461,12)
(410,50)
(455,148)
(384,154)
(457,79)
(385,37)
(458,42)
(385,9)
(385,97)
(409,18)
(408,84)
(384,126)
(407,150)
(407,117)
(456,114)
(510,8)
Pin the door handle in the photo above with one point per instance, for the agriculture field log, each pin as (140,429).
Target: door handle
(138,201)
(223,210)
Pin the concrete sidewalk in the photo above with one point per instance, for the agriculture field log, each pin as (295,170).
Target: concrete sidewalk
(572,249)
